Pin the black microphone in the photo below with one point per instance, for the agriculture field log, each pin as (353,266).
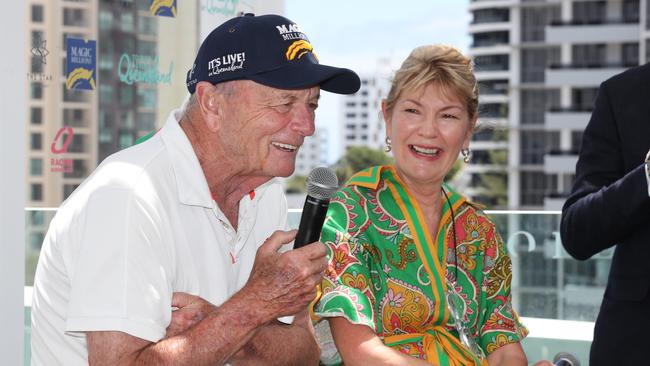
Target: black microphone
(565,359)
(321,185)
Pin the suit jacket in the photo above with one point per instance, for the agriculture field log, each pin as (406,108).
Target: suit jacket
(609,206)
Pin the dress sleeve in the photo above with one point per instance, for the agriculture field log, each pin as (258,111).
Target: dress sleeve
(499,323)
(346,285)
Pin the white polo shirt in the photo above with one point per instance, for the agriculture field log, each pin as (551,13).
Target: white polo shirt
(140,228)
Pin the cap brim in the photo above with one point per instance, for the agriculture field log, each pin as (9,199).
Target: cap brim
(306,74)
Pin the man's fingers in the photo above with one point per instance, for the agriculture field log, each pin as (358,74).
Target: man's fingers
(314,250)
(278,239)
(182,299)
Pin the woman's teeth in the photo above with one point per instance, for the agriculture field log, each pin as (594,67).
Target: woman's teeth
(284,147)
(425,151)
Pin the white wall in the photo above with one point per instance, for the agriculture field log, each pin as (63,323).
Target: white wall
(12,180)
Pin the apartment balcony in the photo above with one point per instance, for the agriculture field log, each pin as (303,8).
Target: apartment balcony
(484,4)
(487,26)
(583,75)
(605,31)
(571,118)
(560,161)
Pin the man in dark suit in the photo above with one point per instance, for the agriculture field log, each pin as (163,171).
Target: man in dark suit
(610,206)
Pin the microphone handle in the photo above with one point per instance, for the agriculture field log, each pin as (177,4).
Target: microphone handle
(311,221)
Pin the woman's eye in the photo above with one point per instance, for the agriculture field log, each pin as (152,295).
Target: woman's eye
(449,116)
(411,110)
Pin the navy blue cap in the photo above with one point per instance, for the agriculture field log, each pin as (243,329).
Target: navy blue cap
(270,50)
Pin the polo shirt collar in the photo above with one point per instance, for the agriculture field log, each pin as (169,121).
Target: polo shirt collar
(192,187)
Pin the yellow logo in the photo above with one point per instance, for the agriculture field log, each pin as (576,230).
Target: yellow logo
(79,75)
(163,7)
(298,49)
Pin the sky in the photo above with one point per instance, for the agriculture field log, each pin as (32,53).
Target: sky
(357,34)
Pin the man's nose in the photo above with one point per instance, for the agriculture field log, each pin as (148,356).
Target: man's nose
(303,120)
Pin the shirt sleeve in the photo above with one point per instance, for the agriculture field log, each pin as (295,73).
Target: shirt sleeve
(499,323)
(345,286)
(121,279)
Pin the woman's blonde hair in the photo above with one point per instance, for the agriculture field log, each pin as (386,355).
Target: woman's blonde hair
(441,65)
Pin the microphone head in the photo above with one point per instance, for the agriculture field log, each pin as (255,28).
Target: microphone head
(322,183)
(565,358)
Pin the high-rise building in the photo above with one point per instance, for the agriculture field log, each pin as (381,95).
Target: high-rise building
(61,129)
(312,153)
(55,165)
(361,121)
(539,64)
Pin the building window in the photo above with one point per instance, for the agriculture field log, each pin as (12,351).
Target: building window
(126,95)
(492,63)
(488,39)
(350,115)
(494,110)
(533,188)
(630,54)
(105,93)
(582,99)
(126,22)
(589,12)
(35,167)
(589,55)
(534,21)
(68,189)
(36,192)
(125,139)
(36,90)
(535,103)
(74,17)
(37,38)
(37,13)
(534,63)
(36,115)
(37,65)
(534,144)
(147,48)
(105,20)
(492,15)
(36,141)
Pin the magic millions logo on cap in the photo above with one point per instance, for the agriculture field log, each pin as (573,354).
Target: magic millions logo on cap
(163,8)
(298,49)
(81,64)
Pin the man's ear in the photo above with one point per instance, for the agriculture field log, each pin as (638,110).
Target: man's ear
(210,103)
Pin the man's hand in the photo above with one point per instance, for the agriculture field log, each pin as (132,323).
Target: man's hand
(285,283)
(190,310)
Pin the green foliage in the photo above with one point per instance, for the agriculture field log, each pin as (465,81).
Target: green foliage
(358,158)
(296,184)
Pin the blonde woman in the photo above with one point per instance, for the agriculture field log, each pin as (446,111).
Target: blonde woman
(419,275)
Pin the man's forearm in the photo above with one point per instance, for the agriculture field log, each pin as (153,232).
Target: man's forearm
(281,344)
(212,341)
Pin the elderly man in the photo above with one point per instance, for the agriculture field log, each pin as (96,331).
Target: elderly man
(194,210)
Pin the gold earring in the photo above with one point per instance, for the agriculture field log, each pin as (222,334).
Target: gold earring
(388,147)
(466,155)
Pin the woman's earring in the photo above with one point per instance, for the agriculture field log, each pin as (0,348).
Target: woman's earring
(466,155)
(388,147)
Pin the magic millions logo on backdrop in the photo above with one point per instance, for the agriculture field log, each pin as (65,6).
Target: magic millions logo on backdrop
(142,69)
(81,64)
(163,8)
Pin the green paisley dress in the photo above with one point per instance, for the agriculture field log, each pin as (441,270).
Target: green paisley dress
(386,271)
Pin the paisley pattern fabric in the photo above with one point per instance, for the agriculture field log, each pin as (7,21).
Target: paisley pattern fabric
(389,273)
